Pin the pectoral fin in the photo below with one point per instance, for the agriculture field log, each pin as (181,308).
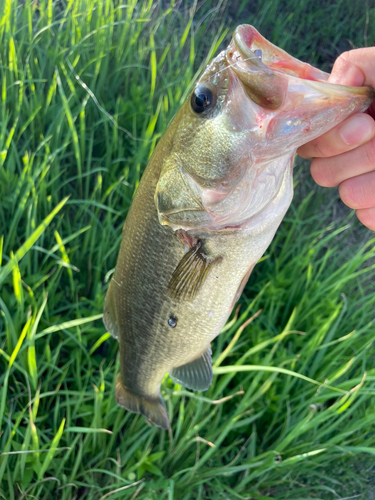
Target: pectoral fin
(190,273)
(196,375)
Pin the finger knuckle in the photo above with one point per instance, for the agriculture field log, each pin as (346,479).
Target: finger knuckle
(319,148)
(347,194)
(343,61)
(370,153)
(322,173)
(344,57)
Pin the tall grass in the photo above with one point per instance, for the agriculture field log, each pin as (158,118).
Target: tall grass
(87,89)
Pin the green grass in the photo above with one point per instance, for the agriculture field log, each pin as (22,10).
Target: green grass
(87,89)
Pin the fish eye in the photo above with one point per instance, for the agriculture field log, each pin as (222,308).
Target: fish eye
(172,321)
(202,99)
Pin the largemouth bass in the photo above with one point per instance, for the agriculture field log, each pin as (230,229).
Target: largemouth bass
(208,205)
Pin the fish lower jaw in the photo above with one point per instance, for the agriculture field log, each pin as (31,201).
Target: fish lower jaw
(210,225)
(184,219)
(219,225)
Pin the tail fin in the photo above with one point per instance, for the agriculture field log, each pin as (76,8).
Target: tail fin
(152,408)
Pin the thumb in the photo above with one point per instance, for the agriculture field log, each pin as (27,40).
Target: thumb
(355,67)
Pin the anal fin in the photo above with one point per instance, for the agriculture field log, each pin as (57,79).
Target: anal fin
(152,408)
(190,273)
(196,375)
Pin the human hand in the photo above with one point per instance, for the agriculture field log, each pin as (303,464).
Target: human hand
(345,156)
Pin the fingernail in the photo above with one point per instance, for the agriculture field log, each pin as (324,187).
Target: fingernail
(356,130)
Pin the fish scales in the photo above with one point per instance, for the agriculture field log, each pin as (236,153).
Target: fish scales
(148,256)
(208,205)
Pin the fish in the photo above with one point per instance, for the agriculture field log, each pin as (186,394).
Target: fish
(210,200)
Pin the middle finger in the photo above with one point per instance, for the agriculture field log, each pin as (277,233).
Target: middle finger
(359,192)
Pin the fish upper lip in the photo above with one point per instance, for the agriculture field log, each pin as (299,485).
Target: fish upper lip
(247,40)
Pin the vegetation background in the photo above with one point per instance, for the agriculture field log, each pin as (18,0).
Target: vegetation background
(87,89)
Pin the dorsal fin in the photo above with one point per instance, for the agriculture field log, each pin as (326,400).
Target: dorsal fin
(190,273)
(109,314)
(196,375)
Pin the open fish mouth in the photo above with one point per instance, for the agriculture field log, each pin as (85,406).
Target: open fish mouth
(266,71)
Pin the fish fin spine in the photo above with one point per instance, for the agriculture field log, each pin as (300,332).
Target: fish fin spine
(153,408)
(190,274)
(195,375)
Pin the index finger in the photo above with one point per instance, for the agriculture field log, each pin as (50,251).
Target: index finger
(355,130)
